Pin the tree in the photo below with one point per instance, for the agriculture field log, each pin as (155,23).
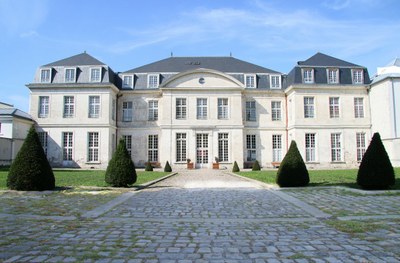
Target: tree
(376,170)
(149,167)
(235,168)
(121,170)
(256,166)
(167,168)
(31,170)
(292,172)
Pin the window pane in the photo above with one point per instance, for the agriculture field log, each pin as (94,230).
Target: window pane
(43,106)
(308,107)
(223,108)
(180,108)
(69,106)
(94,106)
(276,112)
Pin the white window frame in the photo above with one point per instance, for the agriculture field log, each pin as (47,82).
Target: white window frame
(223,108)
(358,107)
(275,81)
(357,76)
(336,147)
(95,78)
(181,108)
(223,147)
(68,146)
(309,107)
(310,140)
(334,107)
(332,75)
(93,147)
(128,144)
(251,110)
(69,107)
(276,110)
(361,145)
(43,138)
(308,75)
(152,148)
(251,147)
(276,147)
(127,111)
(181,147)
(202,108)
(153,110)
(45,78)
(44,107)
(67,78)
(250,81)
(94,107)
(130,84)
(151,84)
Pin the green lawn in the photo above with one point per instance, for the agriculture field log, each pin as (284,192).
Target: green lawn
(85,177)
(319,177)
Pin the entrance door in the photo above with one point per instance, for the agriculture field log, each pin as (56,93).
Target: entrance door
(202,150)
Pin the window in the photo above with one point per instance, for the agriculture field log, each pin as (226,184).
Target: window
(45,75)
(95,75)
(94,106)
(359,107)
(70,75)
(93,147)
(357,76)
(361,145)
(43,140)
(43,106)
(128,143)
(310,147)
(113,109)
(201,109)
(336,147)
(251,147)
(153,110)
(334,107)
(308,76)
(275,82)
(180,108)
(223,149)
(127,111)
(181,147)
(276,111)
(222,108)
(333,76)
(153,81)
(250,81)
(67,146)
(153,148)
(308,107)
(276,147)
(127,82)
(250,110)
(69,106)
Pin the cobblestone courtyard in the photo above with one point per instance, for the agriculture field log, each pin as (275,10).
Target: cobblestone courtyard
(200,216)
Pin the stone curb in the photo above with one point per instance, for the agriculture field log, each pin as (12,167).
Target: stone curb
(210,220)
(36,217)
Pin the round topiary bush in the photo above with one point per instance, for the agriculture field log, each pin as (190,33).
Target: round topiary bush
(31,170)
(376,170)
(121,171)
(292,172)
(149,167)
(235,168)
(256,166)
(167,168)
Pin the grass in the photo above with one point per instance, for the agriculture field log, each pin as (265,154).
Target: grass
(76,178)
(353,227)
(319,177)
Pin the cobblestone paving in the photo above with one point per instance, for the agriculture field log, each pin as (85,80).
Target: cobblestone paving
(173,221)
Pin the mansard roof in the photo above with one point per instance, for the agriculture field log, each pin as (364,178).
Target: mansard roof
(181,64)
(322,60)
(83,59)
(14,112)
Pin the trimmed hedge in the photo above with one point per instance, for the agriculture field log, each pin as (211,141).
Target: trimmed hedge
(149,167)
(235,168)
(167,168)
(256,166)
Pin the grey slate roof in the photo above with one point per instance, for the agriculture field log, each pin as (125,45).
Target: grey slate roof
(15,113)
(83,59)
(181,64)
(322,60)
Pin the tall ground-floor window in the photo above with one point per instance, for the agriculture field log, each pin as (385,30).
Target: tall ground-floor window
(128,144)
(67,146)
(153,148)
(336,147)
(310,147)
(43,140)
(181,147)
(360,141)
(276,147)
(93,147)
(251,147)
(223,148)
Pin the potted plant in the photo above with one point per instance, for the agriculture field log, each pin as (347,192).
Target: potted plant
(216,164)
(189,164)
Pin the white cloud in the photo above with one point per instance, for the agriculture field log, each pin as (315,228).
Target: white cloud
(31,33)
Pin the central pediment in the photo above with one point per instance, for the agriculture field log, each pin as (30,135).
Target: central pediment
(202,79)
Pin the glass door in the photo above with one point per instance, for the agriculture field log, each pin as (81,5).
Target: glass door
(202,150)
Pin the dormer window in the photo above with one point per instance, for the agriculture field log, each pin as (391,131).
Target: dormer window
(250,81)
(95,75)
(70,75)
(275,82)
(308,75)
(45,75)
(153,81)
(357,76)
(333,75)
(127,81)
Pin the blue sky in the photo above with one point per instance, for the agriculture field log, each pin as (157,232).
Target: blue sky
(126,34)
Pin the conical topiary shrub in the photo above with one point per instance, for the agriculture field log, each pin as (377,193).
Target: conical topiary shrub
(235,168)
(31,170)
(292,172)
(256,166)
(121,171)
(376,170)
(149,167)
(167,168)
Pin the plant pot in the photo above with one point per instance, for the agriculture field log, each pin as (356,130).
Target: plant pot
(190,165)
(216,166)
